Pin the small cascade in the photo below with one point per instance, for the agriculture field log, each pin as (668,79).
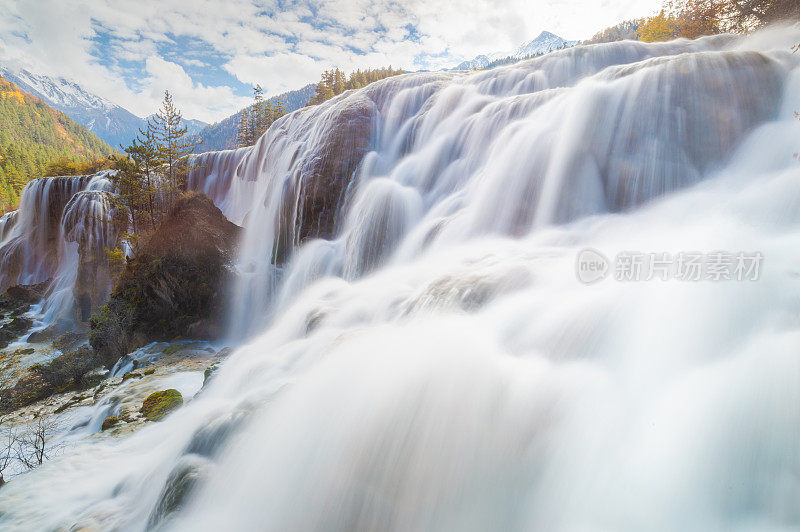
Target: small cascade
(60,234)
(7,222)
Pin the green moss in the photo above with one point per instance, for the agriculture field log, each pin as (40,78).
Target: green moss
(131,375)
(159,404)
(109,422)
(149,371)
(26,351)
(170,349)
(209,372)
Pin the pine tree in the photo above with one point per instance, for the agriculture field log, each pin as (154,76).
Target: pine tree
(145,156)
(279,109)
(243,129)
(258,115)
(338,82)
(172,146)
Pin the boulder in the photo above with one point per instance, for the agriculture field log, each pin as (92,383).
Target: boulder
(109,422)
(173,287)
(159,404)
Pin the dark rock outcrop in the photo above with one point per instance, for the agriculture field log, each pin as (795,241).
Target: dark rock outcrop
(13,303)
(173,288)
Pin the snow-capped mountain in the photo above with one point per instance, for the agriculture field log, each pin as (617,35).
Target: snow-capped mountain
(546,42)
(479,62)
(112,123)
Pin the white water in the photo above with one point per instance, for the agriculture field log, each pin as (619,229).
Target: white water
(436,365)
(60,220)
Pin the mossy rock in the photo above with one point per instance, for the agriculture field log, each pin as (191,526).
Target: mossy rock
(131,375)
(159,404)
(209,372)
(26,351)
(171,349)
(149,371)
(109,422)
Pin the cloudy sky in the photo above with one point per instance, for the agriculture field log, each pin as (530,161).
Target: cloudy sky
(210,53)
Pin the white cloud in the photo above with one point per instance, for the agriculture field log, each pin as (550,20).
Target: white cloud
(281,46)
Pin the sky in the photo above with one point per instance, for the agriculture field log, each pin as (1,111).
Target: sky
(210,53)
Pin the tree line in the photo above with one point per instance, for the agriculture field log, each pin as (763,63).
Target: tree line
(255,120)
(696,18)
(335,82)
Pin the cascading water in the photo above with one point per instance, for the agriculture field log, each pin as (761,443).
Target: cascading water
(60,234)
(432,361)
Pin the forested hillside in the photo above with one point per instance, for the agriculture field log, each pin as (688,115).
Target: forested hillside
(32,135)
(222,135)
(335,82)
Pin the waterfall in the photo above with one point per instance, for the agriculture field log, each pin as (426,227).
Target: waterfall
(421,354)
(60,234)
(574,133)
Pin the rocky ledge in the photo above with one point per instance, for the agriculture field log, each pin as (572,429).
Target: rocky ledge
(173,288)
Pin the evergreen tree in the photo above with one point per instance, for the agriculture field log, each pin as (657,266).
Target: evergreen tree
(258,115)
(243,129)
(172,146)
(279,109)
(144,154)
(257,119)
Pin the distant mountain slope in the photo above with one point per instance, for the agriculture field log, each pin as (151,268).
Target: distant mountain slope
(112,123)
(222,135)
(33,134)
(546,42)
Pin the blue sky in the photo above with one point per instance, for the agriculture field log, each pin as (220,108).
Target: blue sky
(210,53)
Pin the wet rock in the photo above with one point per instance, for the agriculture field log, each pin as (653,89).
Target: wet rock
(211,436)
(159,404)
(109,422)
(209,372)
(14,329)
(325,178)
(181,483)
(13,303)
(131,375)
(173,288)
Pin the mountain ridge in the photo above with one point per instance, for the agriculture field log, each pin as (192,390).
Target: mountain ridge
(544,43)
(111,122)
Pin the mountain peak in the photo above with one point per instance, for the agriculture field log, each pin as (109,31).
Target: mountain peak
(544,43)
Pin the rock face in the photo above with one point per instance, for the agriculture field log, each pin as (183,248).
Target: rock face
(13,303)
(174,286)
